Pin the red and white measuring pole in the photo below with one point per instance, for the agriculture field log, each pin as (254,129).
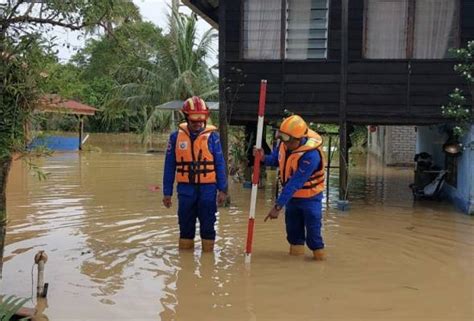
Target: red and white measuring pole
(256,170)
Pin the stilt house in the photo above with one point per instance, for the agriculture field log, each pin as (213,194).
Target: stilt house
(339,61)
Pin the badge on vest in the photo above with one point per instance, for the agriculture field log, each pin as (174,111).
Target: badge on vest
(183,145)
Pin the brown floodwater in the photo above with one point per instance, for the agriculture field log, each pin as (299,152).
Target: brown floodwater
(113,254)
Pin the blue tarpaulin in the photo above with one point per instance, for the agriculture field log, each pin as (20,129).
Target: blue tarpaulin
(57,143)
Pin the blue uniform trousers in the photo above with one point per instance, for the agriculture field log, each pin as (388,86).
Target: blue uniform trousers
(303,222)
(197,202)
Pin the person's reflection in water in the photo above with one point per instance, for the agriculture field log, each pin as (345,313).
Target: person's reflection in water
(195,284)
(201,288)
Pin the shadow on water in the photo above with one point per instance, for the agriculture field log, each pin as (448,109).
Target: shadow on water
(113,254)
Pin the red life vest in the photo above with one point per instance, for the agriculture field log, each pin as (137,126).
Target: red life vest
(289,165)
(194,161)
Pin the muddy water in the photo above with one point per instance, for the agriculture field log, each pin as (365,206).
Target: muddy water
(113,255)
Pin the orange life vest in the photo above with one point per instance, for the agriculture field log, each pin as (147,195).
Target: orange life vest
(288,165)
(194,161)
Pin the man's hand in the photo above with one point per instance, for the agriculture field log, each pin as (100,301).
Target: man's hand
(167,201)
(221,198)
(259,151)
(273,214)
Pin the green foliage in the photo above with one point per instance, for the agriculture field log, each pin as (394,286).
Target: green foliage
(20,76)
(324,128)
(62,79)
(24,56)
(183,57)
(178,72)
(125,73)
(459,108)
(466,67)
(119,13)
(359,139)
(94,73)
(27,61)
(237,152)
(133,45)
(9,306)
(106,63)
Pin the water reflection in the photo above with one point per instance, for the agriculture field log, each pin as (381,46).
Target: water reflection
(113,249)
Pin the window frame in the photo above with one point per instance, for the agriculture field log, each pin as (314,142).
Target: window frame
(282,35)
(410,44)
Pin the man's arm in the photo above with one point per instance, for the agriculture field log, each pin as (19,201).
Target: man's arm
(219,162)
(272,159)
(307,164)
(169,171)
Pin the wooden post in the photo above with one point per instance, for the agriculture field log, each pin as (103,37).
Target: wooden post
(223,124)
(343,162)
(81,130)
(343,152)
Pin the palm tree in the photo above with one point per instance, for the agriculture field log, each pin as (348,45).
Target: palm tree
(183,57)
(180,71)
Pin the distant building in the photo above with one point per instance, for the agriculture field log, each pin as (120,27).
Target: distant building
(393,145)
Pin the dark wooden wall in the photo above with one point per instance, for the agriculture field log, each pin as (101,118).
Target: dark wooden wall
(379,91)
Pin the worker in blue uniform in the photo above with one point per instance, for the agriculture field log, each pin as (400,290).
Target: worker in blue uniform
(194,158)
(301,167)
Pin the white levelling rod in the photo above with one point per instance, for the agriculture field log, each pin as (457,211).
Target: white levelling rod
(256,171)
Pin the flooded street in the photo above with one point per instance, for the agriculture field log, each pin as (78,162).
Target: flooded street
(113,255)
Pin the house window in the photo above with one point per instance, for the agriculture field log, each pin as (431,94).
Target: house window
(305,30)
(436,28)
(385,29)
(262,29)
(420,29)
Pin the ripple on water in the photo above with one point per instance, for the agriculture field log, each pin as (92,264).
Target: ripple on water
(113,248)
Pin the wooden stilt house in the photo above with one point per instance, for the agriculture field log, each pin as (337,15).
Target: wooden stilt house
(339,61)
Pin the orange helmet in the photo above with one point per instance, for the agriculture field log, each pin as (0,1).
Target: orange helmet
(195,109)
(293,126)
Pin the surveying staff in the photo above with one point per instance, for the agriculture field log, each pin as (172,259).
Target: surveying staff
(194,156)
(300,161)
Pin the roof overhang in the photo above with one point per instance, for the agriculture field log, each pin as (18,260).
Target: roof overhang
(206,9)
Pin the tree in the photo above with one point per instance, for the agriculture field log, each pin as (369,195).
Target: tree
(22,26)
(122,12)
(112,61)
(180,71)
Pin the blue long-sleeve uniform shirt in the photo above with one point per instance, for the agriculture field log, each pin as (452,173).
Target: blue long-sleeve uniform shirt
(307,164)
(170,163)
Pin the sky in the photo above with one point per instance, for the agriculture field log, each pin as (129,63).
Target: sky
(151,10)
